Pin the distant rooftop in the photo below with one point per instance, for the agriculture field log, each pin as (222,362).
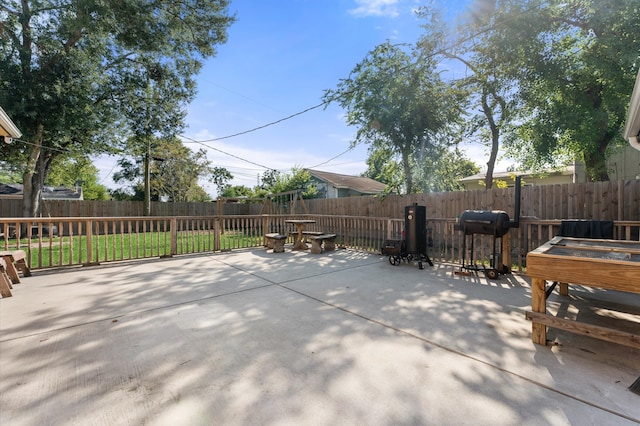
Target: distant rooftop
(360,184)
(15,190)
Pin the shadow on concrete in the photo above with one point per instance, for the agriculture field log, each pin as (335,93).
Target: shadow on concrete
(255,337)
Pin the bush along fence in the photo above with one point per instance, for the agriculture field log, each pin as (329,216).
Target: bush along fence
(60,242)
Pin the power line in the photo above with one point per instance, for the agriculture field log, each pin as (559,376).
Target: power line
(260,127)
(110,172)
(332,158)
(224,152)
(326,102)
(46,148)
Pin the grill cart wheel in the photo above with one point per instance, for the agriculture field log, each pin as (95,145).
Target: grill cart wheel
(492,273)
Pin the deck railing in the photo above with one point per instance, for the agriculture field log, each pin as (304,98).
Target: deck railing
(60,242)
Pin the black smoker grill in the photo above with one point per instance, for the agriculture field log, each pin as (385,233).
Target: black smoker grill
(483,222)
(414,244)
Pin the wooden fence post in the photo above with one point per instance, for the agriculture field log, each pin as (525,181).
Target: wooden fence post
(173,232)
(88,224)
(505,245)
(265,225)
(216,235)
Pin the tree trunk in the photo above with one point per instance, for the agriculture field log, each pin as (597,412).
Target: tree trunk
(595,161)
(33,178)
(495,140)
(408,176)
(147,182)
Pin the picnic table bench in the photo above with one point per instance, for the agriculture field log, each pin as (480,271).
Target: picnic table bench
(275,241)
(15,260)
(5,281)
(306,234)
(329,241)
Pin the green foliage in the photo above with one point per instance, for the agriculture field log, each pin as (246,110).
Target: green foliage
(79,171)
(575,63)
(269,178)
(237,191)
(382,168)
(9,173)
(451,167)
(79,75)
(400,106)
(175,173)
(490,102)
(298,180)
(220,176)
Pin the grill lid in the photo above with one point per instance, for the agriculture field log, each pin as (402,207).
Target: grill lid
(495,222)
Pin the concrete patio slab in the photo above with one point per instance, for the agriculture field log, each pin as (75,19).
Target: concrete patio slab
(253,337)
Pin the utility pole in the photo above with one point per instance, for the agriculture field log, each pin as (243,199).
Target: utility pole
(147,179)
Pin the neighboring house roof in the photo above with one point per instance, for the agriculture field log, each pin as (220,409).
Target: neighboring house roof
(565,175)
(7,128)
(363,185)
(568,171)
(632,129)
(14,190)
(9,190)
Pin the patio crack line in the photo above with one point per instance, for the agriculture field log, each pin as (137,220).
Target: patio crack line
(462,354)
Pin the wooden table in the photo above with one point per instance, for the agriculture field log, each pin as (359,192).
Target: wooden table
(299,243)
(607,264)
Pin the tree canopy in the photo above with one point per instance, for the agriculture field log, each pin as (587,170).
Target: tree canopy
(78,172)
(175,173)
(549,81)
(401,107)
(574,62)
(80,75)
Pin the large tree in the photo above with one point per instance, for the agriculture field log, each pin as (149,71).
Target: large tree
(298,180)
(72,72)
(77,172)
(174,172)
(488,87)
(575,62)
(399,103)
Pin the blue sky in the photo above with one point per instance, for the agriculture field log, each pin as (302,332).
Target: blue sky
(279,58)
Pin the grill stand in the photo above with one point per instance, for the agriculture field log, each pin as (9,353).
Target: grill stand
(493,271)
(397,252)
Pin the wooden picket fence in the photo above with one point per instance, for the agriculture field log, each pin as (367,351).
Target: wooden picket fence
(64,241)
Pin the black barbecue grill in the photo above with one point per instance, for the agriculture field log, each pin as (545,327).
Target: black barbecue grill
(482,222)
(414,244)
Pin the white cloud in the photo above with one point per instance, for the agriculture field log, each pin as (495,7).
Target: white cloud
(376,8)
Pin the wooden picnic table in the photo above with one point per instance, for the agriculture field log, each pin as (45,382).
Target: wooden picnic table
(299,243)
(606,264)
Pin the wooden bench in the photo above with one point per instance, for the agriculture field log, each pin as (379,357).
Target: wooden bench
(275,241)
(329,241)
(269,239)
(306,234)
(5,281)
(15,260)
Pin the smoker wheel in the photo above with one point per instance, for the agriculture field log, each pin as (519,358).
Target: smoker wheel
(492,273)
(394,260)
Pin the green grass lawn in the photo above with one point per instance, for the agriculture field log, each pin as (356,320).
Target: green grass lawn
(66,250)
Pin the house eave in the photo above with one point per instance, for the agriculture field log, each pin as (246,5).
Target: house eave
(632,128)
(8,126)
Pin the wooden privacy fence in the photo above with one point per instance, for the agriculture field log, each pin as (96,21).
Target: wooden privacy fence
(59,242)
(619,200)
